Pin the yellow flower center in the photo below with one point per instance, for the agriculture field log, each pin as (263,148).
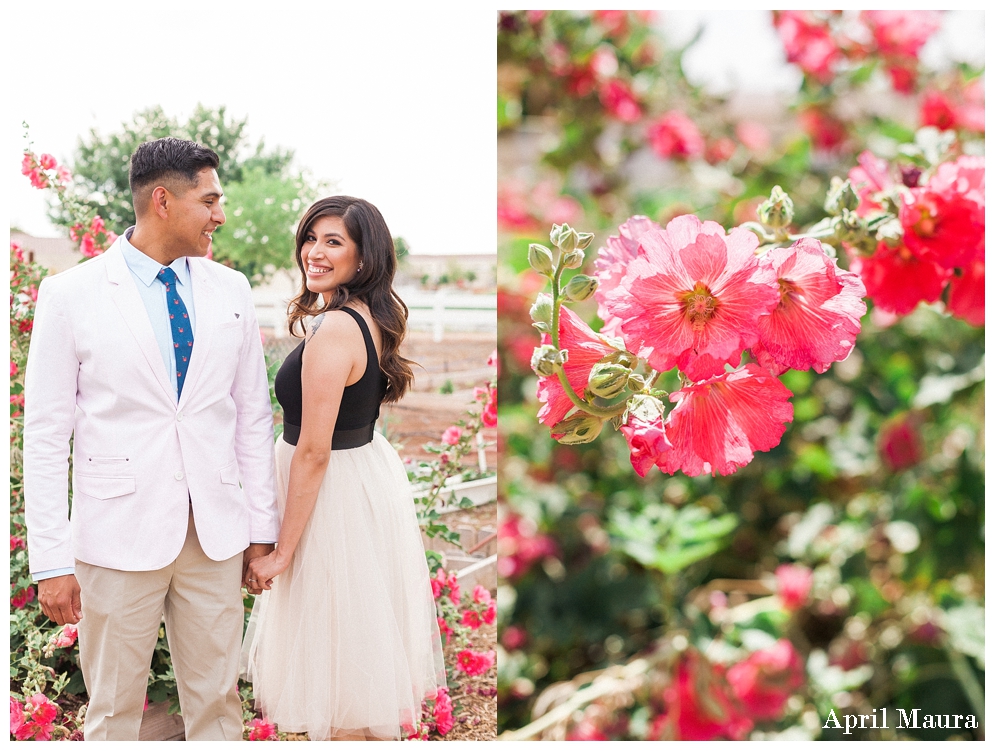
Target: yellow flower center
(699,305)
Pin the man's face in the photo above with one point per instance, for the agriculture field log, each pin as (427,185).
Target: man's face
(196,214)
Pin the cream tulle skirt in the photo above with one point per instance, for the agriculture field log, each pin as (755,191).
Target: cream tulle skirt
(347,640)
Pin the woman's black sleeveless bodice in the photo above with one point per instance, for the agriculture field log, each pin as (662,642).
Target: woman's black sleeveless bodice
(361,401)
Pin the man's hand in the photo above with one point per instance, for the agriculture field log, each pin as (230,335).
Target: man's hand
(59,598)
(255,550)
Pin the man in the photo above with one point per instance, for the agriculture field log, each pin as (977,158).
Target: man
(149,357)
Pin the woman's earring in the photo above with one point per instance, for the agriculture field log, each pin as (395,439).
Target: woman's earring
(360,267)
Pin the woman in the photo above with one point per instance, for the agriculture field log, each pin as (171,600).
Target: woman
(343,643)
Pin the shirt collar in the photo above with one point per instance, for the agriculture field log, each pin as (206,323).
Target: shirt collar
(147,269)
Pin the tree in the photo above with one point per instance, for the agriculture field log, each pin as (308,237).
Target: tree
(265,197)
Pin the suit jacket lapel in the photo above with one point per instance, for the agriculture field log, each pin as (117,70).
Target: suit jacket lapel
(125,296)
(207,313)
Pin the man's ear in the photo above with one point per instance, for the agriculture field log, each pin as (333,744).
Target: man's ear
(160,201)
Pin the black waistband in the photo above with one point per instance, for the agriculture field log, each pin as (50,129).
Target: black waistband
(341,439)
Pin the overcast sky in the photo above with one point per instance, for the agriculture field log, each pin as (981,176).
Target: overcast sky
(395,106)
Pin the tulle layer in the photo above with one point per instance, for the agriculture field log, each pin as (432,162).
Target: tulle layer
(347,640)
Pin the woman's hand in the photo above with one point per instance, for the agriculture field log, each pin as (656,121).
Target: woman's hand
(263,570)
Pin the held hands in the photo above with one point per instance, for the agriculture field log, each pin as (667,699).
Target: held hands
(263,570)
(59,599)
(255,550)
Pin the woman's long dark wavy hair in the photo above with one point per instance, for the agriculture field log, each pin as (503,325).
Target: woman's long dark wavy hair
(373,284)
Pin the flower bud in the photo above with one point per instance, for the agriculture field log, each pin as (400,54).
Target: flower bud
(540,259)
(841,196)
(573,259)
(581,287)
(849,226)
(554,235)
(584,240)
(645,407)
(778,210)
(567,239)
(608,379)
(620,356)
(580,427)
(636,382)
(542,310)
(546,358)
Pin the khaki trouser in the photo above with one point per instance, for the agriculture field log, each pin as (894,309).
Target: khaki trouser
(201,603)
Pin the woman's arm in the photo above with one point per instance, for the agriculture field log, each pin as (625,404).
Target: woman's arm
(334,353)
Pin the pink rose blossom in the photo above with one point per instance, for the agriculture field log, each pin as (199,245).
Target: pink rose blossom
(585,348)
(794,583)
(718,424)
(818,317)
(693,297)
(261,729)
(675,136)
(765,680)
(452,435)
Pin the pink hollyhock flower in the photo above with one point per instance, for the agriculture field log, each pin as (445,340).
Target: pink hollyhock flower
(765,680)
(897,280)
(612,262)
(620,102)
(828,132)
(868,179)
(718,424)
(28,163)
(675,136)
(16,715)
(17,542)
(261,729)
(23,597)
(443,711)
(514,637)
(818,317)
(903,76)
(68,636)
(481,595)
(899,444)
(944,221)
(586,730)
(808,43)
(585,349)
(902,33)
(47,161)
(471,618)
(453,585)
(39,719)
(967,294)
(938,110)
(38,179)
(794,583)
(474,663)
(693,297)
(452,435)
(490,612)
(698,707)
(520,546)
(720,150)
(489,416)
(439,582)
(644,432)
(88,247)
(445,630)
(63,174)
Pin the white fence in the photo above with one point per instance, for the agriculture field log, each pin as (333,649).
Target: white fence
(437,311)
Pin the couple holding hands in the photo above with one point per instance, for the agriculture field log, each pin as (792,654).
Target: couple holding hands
(149,358)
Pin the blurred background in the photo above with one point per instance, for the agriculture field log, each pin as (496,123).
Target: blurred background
(842,571)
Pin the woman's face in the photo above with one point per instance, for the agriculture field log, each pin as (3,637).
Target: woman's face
(329,255)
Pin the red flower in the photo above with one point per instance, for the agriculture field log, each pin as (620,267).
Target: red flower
(17,542)
(620,102)
(474,663)
(22,597)
(937,110)
(899,444)
(648,443)
(698,708)
(828,132)
(944,221)
(489,415)
(471,618)
(693,297)
(896,280)
(612,262)
(445,630)
(675,136)
(718,424)
(514,637)
(39,718)
(490,612)
(818,317)
(808,42)
(967,294)
(453,585)
(520,545)
(261,730)
(793,585)
(443,711)
(765,680)
(585,349)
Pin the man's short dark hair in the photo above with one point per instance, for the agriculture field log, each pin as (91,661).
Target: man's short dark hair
(168,159)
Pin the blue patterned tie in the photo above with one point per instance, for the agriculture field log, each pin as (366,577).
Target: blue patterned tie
(179,322)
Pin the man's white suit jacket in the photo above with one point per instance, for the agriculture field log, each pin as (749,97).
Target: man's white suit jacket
(140,459)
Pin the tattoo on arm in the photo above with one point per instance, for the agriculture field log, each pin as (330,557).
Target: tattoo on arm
(316,324)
